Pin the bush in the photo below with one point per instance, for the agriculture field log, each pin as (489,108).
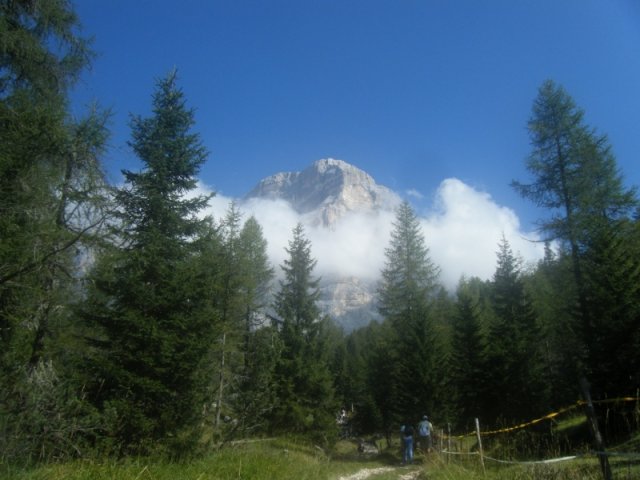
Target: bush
(44,418)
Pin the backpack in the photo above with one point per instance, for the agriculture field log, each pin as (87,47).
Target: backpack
(425,428)
(408,431)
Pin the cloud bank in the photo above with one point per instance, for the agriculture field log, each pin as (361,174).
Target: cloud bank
(462,230)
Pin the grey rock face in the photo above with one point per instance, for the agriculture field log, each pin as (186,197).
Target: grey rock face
(324,193)
(326,190)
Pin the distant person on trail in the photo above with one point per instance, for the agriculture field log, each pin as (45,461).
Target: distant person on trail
(407,443)
(424,434)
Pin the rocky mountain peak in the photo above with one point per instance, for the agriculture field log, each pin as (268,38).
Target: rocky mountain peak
(326,190)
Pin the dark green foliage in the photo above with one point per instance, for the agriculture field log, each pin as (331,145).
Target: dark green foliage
(170,332)
(407,294)
(255,398)
(613,281)
(577,180)
(550,286)
(353,383)
(575,174)
(27,60)
(243,390)
(49,419)
(257,274)
(148,300)
(305,392)
(383,360)
(52,208)
(409,276)
(468,370)
(512,360)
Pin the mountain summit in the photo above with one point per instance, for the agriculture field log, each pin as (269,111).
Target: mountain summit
(327,190)
(325,193)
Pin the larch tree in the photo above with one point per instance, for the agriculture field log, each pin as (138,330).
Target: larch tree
(147,301)
(257,274)
(52,205)
(241,295)
(575,177)
(225,296)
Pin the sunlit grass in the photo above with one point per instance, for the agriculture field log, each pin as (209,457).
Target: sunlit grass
(276,459)
(290,459)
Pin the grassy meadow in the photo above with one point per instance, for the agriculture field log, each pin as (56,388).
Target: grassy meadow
(296,459)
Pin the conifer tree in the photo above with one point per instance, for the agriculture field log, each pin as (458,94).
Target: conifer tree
(257,275)
(550,285)
(305,392)
(576,178)
(52,199)
(251,392)
(512,359)
(384,379)
(226,264)
(467,373)
(613,281)
(409,282)
(148,299)
(357,386)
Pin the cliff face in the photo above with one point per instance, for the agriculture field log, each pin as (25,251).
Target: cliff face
(326,190)
(324,193)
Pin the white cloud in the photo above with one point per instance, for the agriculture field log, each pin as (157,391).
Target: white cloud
(355,247)
(462,231)
(413,193)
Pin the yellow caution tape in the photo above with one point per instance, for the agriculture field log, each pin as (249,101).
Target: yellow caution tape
(551,415)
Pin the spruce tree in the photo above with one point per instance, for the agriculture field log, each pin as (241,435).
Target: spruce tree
(467,373)
(361,383)
(550,285)
(305,392)
(512,355)
(408,285)
(613,281)
(147,300)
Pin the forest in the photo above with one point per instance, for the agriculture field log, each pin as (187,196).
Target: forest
(132,325)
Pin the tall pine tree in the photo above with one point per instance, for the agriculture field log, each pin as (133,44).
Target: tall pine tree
(305,391)
(407,289)
(575,177)
(512,359)
(467,358)
(148,299)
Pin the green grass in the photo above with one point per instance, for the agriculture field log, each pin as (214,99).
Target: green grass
(276,459)
(290,459)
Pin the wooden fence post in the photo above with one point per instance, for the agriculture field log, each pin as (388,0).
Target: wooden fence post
(448,441)
(598,444)
(484,472)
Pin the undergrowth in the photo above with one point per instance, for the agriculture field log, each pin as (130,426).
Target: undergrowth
(290,458)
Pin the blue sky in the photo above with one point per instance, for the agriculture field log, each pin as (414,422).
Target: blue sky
(412,92)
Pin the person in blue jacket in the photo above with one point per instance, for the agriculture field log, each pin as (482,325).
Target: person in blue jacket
(407,443)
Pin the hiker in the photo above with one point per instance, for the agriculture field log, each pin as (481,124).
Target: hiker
(407,443)
(424,434)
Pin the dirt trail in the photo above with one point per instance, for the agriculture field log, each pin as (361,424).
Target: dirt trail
(368,472)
